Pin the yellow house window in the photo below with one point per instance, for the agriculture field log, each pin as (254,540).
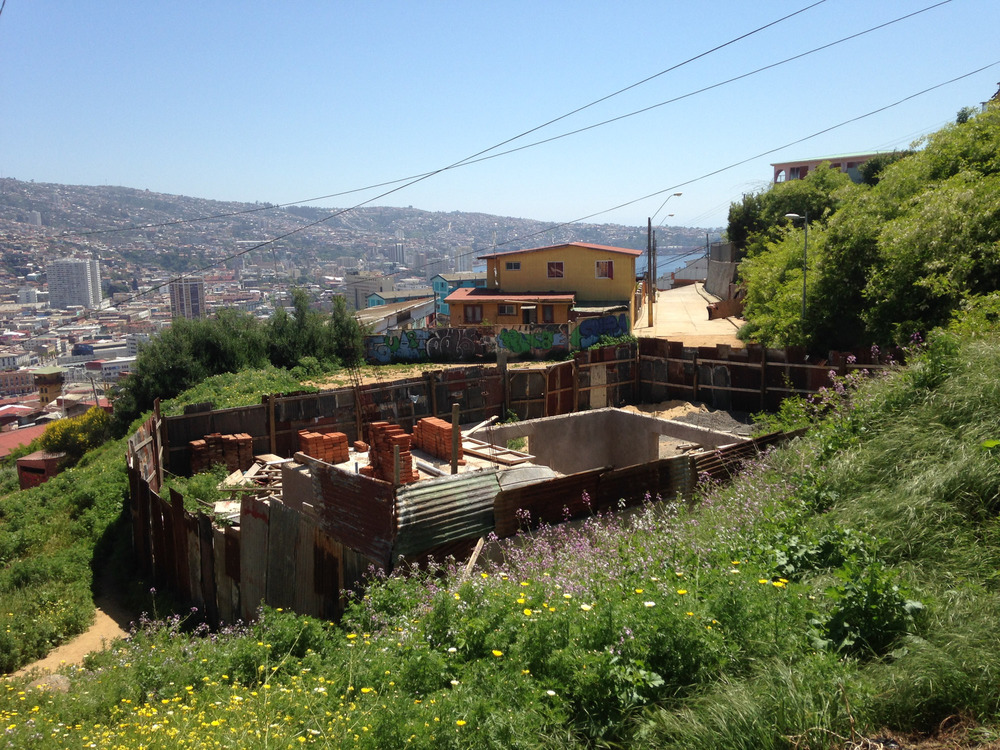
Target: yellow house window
(605,269)
(506,310)
(548,313)
(473,313)
(513,265)
(555,269)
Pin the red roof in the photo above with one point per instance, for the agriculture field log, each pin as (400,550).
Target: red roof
(14,438)
(587,245)
(481,294)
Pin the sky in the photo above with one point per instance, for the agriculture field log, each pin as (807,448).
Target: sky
(292,101)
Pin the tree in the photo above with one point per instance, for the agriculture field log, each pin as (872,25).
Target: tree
(192,350)
(77,435)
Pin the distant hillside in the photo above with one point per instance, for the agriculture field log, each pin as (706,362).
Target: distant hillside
(139,225)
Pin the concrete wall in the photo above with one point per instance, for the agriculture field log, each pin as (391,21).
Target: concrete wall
(720,276)
(600,438)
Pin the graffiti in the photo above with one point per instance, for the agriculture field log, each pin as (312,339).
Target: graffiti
(462,344)
(590,330)
(537,341)
(421,345)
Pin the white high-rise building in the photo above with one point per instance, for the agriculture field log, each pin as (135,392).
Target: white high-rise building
(74,282)
(187,298)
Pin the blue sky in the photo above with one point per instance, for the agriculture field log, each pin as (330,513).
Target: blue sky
(288,101)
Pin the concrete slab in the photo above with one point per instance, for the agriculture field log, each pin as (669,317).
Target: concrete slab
(682,315)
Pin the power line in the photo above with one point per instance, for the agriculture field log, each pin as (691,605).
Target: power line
(473,158)
(84,316)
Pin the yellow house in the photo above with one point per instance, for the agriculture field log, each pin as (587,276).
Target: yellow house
(552,284)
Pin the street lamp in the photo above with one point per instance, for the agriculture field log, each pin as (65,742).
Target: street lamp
(805,251)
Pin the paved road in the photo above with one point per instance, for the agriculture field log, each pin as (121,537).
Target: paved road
(681,315)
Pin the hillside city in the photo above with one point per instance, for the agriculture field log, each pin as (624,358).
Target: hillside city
(137,242)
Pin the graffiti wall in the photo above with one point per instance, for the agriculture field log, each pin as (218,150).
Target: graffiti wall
(534,341)
(589,330)
(464,344)
(429,344)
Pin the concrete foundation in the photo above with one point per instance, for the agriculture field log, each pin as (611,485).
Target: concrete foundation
(599,438)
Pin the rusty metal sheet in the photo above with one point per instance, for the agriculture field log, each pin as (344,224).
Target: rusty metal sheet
(438,511)
(549,502)
(254,520)
(282,543)
(355,510)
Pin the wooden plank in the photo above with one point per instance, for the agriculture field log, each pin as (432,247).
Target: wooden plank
(328,582)
(209,591)
(193,544)
(226,605)
(283,532)
(254,520)
(305,600)
(496,453)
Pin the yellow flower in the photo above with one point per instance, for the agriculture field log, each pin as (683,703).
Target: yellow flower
(351,636)
(527,612)
(497,652)
(682,591)
(638,591)
(778,584)
(762,580)
(586,607)
(460,722)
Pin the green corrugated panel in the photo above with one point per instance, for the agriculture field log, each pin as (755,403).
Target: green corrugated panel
(438,511)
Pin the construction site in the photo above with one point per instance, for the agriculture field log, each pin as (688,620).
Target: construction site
(325,488)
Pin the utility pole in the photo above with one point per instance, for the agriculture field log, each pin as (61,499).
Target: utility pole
(649,269)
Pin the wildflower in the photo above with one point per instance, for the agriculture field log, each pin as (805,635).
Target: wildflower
(497,653)
(778,584)
(650,604)
(550,692)
(682,591)
(638,591)
(351,636)
(527,612)
(460,722)
(586,607)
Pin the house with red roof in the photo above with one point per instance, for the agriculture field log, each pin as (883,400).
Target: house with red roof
(549,285)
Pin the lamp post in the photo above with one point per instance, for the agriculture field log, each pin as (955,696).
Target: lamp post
(805,251)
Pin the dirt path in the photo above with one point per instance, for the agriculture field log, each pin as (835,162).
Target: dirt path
(112,621)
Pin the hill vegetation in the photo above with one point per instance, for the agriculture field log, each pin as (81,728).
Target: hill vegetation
(306,343)
(887,259)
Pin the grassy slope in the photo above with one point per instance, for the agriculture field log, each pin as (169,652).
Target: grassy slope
(54,536)
(780,612)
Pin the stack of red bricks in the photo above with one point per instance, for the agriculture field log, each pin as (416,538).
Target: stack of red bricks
(331,447)
(433,435)
(235,451)
(385,438)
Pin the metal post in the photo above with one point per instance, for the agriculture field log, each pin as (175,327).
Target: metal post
(456,431)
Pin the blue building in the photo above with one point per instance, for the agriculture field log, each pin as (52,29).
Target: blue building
(446,283)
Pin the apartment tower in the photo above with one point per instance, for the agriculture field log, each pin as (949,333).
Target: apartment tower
(74,282)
